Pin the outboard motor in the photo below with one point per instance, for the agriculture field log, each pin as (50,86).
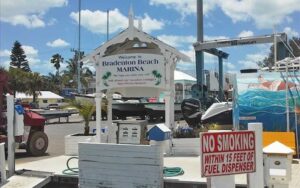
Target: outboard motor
(191,110)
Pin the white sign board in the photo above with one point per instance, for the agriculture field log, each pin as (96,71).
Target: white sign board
(132,70)
(225,153)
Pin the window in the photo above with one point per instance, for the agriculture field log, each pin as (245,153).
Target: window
(45,101)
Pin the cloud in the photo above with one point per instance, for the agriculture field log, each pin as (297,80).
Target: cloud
(290,32)
(265,14)
(30,51)
(52,21)
(4,53)
(246,33)
(185,7)
(96,21)
(150,24)
(4,63)
(228,65)
(251,60)
(28,13)
(58,43)
(257,11)
(177,40)
(190,53)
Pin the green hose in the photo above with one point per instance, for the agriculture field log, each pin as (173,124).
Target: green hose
(167,171)
(172,171)
(71,171)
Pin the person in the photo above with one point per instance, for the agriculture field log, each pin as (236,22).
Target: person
(275,85)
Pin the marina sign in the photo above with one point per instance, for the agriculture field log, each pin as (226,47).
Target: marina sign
(132,70)
(225,153)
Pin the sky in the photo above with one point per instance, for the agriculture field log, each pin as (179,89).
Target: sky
(47,27)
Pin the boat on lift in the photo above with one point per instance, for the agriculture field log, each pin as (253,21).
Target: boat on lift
(219,113)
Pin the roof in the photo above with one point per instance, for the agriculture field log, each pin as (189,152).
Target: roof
(162,127)
(130,33)
(178,75)
(43,95)
(277,148)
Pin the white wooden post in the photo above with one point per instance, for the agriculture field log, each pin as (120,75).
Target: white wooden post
(2,164)
(256,179)
(10,134)
(168,109)
(109,114)
(109,108)
(98,101)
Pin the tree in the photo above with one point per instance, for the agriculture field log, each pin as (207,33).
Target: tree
(18,58)
(56,60)
(16,80)
(269,61)
(33,85)
(86,109)
(69,77)
(51,83)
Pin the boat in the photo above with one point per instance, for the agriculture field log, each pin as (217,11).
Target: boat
(219,113)
(133,107)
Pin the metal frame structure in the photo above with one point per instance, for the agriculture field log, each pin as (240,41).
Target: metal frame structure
(202,46)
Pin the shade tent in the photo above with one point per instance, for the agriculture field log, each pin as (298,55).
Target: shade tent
(186,81)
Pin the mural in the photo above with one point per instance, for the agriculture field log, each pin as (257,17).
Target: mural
(266,97)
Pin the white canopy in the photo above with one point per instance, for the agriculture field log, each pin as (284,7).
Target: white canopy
(178,75)
(43,95)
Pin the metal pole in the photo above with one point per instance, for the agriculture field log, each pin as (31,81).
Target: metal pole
(275,49)
(200,20)
(79,53)
(221,86)
(200,54)
(107,26)
(296,128)
(287,100)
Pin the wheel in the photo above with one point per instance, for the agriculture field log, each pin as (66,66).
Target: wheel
(37,143)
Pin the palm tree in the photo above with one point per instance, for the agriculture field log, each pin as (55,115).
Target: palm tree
(70,74)
(86,110)
(51,83)
(33,84)
(56,60)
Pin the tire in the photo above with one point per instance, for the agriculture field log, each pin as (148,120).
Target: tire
(37,143)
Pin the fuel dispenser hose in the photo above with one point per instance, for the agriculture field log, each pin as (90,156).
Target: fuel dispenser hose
(167,171)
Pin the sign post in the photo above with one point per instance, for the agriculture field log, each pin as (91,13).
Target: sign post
(226,153)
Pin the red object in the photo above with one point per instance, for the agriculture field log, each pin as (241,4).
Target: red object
(225,153)
(152,99)
(33,119)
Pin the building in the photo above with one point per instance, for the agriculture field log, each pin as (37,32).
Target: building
(45,99)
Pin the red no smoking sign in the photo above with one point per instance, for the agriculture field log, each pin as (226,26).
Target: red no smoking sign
(225,153)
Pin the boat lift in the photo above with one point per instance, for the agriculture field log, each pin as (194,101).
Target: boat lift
(211,46)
